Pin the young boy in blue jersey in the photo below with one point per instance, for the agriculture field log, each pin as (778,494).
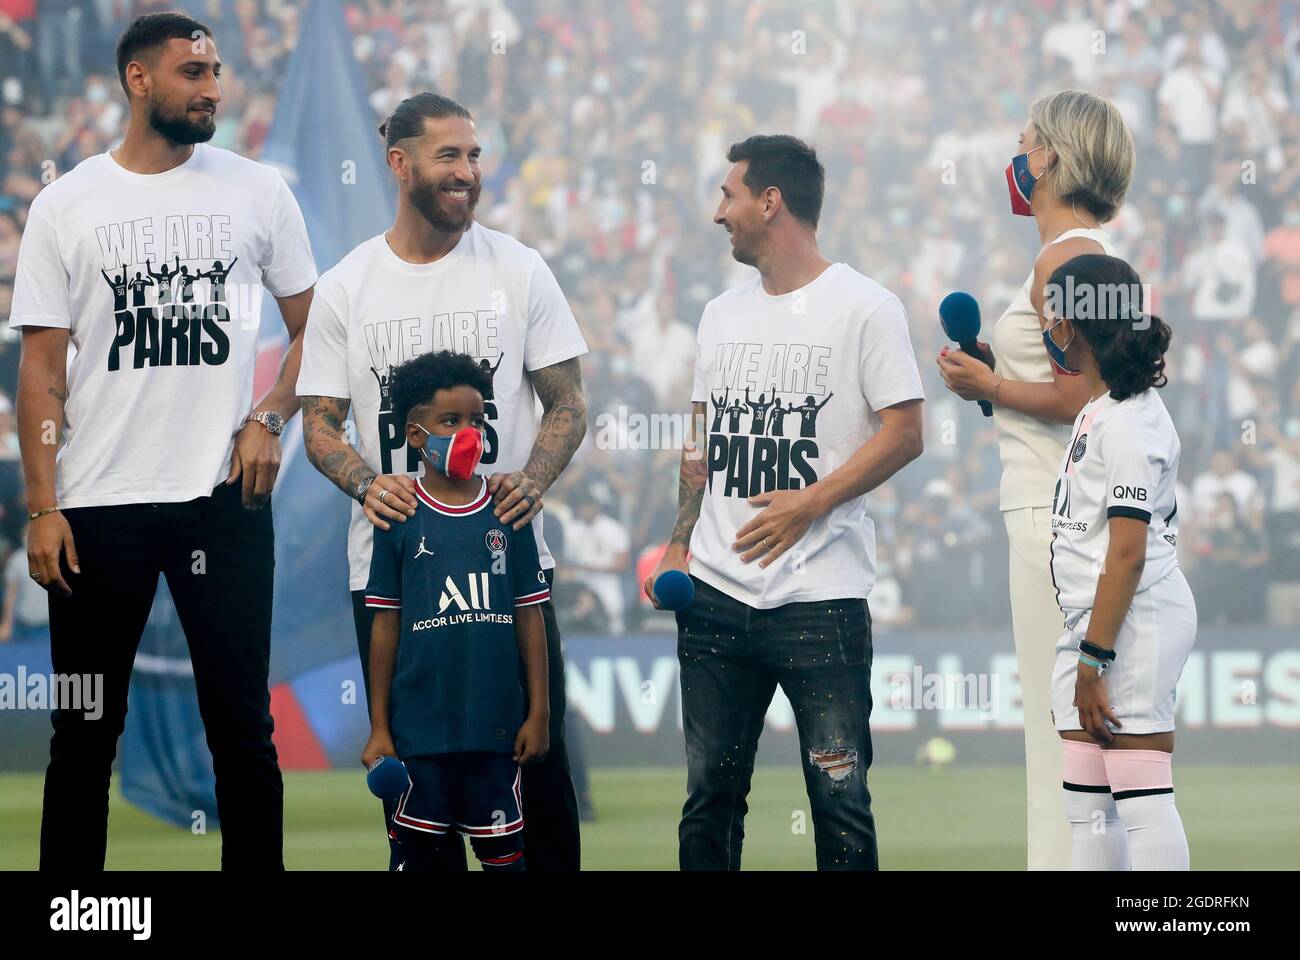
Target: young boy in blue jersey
(455,596)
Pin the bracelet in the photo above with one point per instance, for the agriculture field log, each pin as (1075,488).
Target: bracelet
(996,387)
(1092,662)
(1101,653)
(40,513)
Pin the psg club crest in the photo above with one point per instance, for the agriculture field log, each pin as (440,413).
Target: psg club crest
(1080,446)
(496,541)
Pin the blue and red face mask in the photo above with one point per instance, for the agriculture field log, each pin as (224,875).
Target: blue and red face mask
(455,456)
(1020,183)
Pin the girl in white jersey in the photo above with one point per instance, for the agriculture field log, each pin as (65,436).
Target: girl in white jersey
(1130,620)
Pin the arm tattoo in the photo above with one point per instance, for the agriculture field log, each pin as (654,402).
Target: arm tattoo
(564,420)
(322,435)
(690,482)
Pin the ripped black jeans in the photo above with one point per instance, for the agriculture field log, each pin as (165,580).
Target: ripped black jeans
(732,658)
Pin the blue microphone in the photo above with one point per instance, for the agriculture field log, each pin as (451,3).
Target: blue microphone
(674,590)
(959,314)
(387,778)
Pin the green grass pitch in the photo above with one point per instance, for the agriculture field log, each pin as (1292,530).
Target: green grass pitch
(1237,818)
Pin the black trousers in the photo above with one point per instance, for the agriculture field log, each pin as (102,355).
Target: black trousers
(732,657)
(551,837)
(219,561)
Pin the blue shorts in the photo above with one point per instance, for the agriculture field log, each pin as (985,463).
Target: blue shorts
(476,794)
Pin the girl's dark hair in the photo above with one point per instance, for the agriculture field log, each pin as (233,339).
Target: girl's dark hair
(414,383)
(1101,296)
(408,119)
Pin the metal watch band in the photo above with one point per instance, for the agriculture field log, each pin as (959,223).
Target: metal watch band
(359,494)
(272,421)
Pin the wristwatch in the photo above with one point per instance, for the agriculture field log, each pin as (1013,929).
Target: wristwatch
(273,422)
(359,494)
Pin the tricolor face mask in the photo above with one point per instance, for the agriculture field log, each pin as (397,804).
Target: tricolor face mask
(455,456)
(1020,182)
(1057,353)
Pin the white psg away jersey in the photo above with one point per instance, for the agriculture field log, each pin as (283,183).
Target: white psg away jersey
(1122,461)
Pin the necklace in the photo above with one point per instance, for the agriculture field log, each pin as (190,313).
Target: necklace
(1065,230)
(1090,226)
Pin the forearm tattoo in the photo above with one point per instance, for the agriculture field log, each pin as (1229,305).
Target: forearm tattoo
(564,420)
(329,452)
(690,483)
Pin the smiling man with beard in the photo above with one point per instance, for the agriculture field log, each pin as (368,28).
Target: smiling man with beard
(771,522)
(437,280)
(167,459)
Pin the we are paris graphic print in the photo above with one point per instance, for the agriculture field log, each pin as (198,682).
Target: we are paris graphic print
(765,402)
(383,339)
(171,305)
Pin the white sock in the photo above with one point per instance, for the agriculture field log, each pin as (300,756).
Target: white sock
(1142,783)
(1098,840)
(1156,839)
(1097,837)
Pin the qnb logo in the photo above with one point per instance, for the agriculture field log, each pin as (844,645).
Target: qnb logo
(1123,492)
(479,598)
(76,913)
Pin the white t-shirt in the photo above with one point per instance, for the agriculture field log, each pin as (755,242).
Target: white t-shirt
(1194,110)
(1122,461)
(818,363)
(158,278)
(595,544)
(491,297)
(1209,486)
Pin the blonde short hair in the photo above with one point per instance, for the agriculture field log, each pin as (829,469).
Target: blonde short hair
(1094,149)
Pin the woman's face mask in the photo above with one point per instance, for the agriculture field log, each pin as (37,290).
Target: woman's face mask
(455,456)
(1020,183)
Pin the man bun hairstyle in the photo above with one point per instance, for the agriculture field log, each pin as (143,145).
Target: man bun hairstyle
(407,120)
(790,165)
(1103,302)
(414,384)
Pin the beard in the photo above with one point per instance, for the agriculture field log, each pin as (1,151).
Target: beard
(424,197)
(742,253)
(180,128)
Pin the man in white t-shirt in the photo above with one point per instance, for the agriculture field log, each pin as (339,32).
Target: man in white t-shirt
(439,280)
(167,461)
(781,550)
(598,550)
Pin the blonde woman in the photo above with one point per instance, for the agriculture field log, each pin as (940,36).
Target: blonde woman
(1070,174)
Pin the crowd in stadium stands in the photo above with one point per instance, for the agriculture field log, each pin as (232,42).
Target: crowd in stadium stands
(605,125)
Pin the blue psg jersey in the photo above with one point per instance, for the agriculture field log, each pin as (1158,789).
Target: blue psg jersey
(456,573)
